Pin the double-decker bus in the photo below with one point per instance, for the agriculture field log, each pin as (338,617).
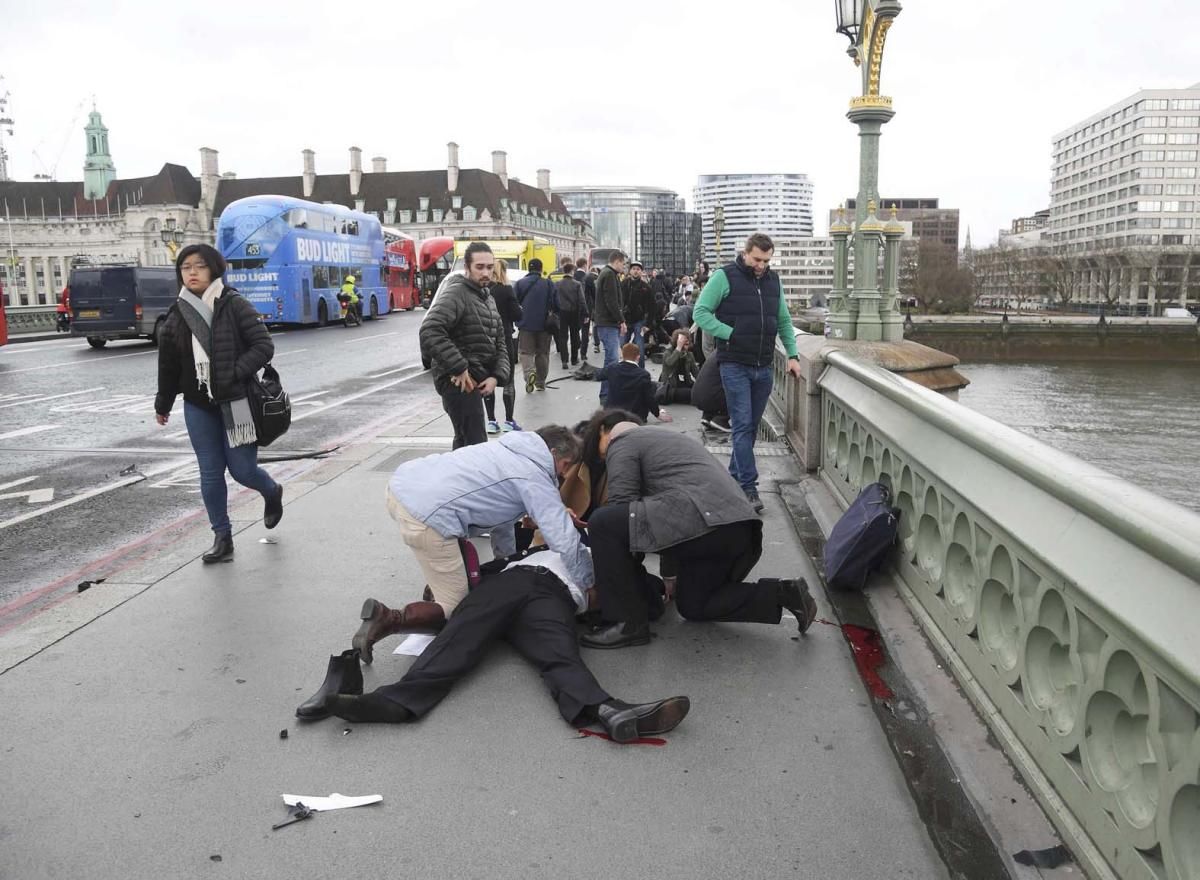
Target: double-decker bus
(289,257)
(434,258)
(400,269)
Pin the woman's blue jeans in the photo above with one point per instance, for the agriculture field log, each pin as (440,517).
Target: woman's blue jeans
(206,429)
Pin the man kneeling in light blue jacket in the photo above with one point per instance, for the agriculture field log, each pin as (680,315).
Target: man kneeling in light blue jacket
(438,499)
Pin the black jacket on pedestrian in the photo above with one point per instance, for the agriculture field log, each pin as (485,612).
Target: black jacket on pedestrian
(570,298)
(507,306)
(609,311)
(708,394)
(241,346)
(639,301)
(676,491)
(463,331)
(589,292)
(630,388)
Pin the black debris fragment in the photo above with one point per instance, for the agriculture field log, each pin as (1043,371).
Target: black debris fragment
(215,858)
(283,734)
(346,731)
(84,586)
(1044,858)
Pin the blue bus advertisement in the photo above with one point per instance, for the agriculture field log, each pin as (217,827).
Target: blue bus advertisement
(290,257)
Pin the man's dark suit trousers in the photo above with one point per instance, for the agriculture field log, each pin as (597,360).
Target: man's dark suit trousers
(533,611)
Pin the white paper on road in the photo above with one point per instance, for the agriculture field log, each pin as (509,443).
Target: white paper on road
(415,644)
(334,802)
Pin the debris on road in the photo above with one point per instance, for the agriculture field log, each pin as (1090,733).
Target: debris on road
(84,586)
(334,801)
(1052,857)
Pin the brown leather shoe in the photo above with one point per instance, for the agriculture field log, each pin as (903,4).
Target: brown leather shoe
(379,622)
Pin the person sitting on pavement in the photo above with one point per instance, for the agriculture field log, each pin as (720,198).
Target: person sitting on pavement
(708,396)
(679,370)
(668,495)
(630,386)
(462,335)
(531,603)
(210,344)
(438,499)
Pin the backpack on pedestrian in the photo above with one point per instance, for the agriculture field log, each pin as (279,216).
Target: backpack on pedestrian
(861,539)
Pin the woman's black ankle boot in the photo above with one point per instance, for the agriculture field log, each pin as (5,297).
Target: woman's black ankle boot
(221,550)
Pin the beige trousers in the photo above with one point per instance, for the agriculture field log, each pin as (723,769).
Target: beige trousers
(439,557)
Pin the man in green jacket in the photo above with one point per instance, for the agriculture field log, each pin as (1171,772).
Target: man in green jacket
(743,308)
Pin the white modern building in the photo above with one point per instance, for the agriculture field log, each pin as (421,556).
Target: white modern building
(805,269)
(1124,208)
(646,222)
(1128,174)
(778,204)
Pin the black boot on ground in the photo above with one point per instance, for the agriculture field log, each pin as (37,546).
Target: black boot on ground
(625,722)
(368,708)
(273,512)
(343,676)
(794,596)
(220,551)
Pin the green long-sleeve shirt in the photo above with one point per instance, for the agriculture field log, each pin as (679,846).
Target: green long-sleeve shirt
(717,288)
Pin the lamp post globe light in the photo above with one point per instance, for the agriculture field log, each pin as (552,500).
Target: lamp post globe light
(866,311)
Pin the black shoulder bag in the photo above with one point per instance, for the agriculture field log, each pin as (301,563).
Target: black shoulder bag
(270,406)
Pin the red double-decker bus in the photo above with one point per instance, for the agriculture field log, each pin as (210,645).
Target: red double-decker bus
(400,269)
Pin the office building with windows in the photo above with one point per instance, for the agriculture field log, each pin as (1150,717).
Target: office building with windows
(648,223)
(1124,207)
(929,220)
(778,204)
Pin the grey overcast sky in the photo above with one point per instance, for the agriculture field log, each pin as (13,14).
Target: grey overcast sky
(648,93)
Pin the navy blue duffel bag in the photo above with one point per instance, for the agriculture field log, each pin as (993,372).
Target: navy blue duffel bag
(861,539)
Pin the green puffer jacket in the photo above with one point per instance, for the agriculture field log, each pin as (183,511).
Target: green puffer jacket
(463,331)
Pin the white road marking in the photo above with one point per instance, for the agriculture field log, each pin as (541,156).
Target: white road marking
(8,397)
(299,397)
(286,353)
(23,432)
(92,493)
(52,397)
(365,338)
(15,483)
(31,496)
(363,393)
(390,372)
(77,363)
(133,403)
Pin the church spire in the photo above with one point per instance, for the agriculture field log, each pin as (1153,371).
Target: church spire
(98,169)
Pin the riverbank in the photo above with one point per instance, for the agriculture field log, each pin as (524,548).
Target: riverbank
(1058,338)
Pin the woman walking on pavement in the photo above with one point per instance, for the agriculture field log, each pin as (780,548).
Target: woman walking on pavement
(510,313)
(211,344)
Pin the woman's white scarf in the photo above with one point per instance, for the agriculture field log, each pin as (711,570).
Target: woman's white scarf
(203,366)
(236,413)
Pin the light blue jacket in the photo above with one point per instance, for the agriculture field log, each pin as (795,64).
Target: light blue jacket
(490,484)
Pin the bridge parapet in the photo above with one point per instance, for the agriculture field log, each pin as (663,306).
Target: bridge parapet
(1065,600)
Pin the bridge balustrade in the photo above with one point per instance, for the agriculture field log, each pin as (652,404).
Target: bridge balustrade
(1065,600)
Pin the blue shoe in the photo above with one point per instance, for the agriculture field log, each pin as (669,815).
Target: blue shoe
(493,427)
(510,425)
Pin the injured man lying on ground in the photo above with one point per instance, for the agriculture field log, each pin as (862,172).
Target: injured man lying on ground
(530,602)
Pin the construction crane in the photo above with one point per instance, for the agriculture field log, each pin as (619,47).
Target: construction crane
(50,173)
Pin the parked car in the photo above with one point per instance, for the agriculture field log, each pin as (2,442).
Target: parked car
(120,302)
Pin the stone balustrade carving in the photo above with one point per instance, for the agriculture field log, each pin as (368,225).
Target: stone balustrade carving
(1064,599)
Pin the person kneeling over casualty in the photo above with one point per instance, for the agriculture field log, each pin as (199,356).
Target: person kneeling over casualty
(531,603)
(439,499)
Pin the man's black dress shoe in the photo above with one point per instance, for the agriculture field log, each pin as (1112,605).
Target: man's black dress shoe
(273,512)
(220,551)
(625,723)
(617,635)
(794,596)
(368,708)
(343,676)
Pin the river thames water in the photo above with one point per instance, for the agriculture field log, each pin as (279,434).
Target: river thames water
(1139,421)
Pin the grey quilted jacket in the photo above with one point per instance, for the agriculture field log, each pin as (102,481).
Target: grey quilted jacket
(463,331)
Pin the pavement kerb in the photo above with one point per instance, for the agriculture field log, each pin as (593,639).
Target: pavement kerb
(975,803)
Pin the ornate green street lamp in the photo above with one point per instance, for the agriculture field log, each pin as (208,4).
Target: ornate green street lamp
(718,227)
(862,311)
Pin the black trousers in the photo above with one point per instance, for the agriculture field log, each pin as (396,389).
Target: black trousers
(466,415)
(529,608)
(569,336)
(705,589)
